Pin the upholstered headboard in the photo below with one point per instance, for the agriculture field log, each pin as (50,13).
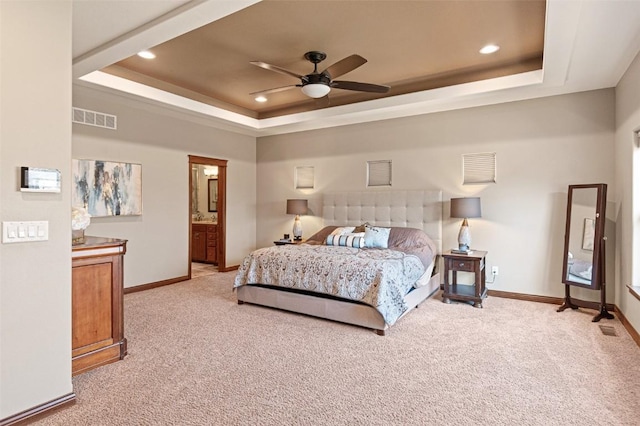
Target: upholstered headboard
(407,209)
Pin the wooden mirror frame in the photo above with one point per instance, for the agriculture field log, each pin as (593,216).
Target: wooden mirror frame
(597,272)
(213,193)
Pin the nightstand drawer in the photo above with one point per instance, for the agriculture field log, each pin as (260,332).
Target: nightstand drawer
(462,265)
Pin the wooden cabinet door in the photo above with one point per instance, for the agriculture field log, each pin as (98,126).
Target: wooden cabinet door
(97,310)
(199,243)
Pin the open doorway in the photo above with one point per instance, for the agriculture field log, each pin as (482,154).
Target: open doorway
(207,212)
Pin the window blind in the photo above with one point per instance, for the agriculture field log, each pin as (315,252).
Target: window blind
(304,177)
(479,168)
(379,173)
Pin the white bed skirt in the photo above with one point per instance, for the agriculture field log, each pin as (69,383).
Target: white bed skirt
(332,309)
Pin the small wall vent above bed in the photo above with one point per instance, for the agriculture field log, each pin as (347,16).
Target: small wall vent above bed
(94,118)
(479,168)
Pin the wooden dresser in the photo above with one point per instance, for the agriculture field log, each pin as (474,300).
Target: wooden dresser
(97,303)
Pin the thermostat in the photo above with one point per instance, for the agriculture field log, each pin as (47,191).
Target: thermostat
(34,179)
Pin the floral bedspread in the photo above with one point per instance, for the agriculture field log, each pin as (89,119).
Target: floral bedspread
(378,277)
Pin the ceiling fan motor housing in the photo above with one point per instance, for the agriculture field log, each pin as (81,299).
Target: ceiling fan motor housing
(316,79)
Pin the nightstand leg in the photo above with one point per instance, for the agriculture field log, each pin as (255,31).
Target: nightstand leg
(478,288)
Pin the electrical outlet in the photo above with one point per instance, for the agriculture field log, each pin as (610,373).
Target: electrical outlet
(494,270)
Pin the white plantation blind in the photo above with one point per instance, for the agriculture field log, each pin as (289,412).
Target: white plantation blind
(304,177)
(379,173)
(479,168)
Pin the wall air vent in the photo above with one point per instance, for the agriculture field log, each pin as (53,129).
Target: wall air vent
(94,118)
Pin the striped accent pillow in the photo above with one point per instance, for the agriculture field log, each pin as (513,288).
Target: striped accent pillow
(346,241)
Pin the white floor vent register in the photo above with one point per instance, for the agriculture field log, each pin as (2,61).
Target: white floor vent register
(94,118)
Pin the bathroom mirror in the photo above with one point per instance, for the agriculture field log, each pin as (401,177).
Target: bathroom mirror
(213,195)
(584,236)
(194,189)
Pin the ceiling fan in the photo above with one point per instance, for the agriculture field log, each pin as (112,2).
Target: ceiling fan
(319,84)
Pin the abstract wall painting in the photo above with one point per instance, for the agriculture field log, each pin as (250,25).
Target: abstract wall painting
(107,188)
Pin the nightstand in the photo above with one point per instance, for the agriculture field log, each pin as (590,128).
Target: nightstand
(474,263)
(284,243)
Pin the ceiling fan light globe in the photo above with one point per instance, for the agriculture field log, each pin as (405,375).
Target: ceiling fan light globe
(316,90)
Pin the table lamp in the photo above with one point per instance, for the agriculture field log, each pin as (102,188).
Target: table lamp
(465,208)
(297,207)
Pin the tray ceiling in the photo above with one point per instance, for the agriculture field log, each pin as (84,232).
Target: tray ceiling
(411,46)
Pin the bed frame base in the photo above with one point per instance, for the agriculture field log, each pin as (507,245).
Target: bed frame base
(336,310)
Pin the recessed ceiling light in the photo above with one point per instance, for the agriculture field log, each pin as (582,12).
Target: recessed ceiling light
(146,54)
(489,48)
(261,99)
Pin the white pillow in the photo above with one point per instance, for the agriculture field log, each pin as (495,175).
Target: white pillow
(375,236)
(343,230)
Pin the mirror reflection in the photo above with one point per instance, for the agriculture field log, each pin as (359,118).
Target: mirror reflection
(213,195)
(204,193)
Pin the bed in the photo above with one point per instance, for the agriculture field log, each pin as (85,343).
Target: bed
(580,271)
(367,287)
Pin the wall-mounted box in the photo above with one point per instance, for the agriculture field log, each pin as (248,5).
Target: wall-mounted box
(34,179)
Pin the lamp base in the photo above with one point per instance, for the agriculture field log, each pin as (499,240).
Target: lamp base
(464,236)
(297,229)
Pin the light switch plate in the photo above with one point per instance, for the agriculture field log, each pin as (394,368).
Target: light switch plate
(24,232)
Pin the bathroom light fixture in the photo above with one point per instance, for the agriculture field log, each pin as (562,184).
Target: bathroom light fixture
(297,207)
(489,48)
(211,171)
(146,54)
(316,90)
(465,208)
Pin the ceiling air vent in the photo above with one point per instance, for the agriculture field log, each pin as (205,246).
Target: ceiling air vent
(94,118)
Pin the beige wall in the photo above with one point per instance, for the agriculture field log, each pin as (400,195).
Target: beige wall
(542,146)
(161,141)
(35,130)
(627,177)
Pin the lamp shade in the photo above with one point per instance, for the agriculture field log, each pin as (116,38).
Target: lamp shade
(297,207)
(465,207)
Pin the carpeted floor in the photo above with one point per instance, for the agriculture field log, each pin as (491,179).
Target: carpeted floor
(196,357)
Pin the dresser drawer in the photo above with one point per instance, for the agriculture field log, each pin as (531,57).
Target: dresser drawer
(212,229)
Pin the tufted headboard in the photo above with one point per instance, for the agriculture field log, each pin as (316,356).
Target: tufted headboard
(406,209)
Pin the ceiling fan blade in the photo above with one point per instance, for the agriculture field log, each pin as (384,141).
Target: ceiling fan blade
(361,87)
(345,65)
(276,69)
(275,90)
